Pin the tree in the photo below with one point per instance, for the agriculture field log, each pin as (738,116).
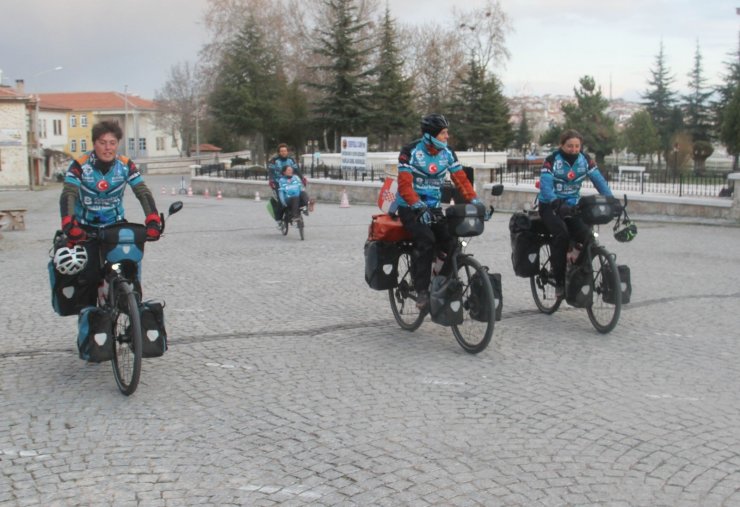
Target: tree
(640,135)
(247,88)
(179,104)
(483,34)
(696,103)
(730,131)
(588,116)
(724,112)
(390,101)
(523,135)
(659,101)
(343,106)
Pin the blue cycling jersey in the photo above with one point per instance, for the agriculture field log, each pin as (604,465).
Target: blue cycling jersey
(561,180)
(276,166)
(428,171)
(289,187)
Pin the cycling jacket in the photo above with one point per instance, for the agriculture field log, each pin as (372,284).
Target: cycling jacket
(93,190)
(561,180)
(289,187)
(277,164)
(422,170)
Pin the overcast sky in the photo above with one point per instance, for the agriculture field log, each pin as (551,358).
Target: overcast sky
(103,45)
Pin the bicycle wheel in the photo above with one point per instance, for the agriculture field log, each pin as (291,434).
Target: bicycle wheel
(543,284)
(300,227)
(284,225)
(126,338)
(403,297)
(603,315)
(474,335)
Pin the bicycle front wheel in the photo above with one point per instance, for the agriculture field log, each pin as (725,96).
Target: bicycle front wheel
(605,279)
(474,334)
(300,227)
(403,297)
(126,338)
(284,226)
(543,284)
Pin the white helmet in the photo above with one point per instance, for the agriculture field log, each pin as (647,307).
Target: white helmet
(70,261)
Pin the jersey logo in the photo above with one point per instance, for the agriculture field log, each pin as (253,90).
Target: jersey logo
(102,185)
(432,168)
(571,175)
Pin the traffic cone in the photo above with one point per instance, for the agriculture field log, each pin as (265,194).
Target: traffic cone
(164,191)
(190,191)
(257,196)
(206,194)
(452,201)
(173,191)
(218,195)
(345,201)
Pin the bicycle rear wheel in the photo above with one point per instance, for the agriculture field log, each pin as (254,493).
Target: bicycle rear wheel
(472,334)
(543,284)
(300,227)
(603,315)
(403,297)
(126,338)
(284,225)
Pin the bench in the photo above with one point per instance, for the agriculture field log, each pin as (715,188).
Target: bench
(13,219)
(632,169)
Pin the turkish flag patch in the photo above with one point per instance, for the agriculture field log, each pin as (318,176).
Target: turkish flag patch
(102,185)
(432,168)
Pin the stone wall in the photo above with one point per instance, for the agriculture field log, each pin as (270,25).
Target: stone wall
(13,158)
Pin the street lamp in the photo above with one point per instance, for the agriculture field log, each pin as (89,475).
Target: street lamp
(35,152)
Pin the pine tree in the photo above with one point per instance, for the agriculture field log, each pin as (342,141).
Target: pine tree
(696,103)
(660,100)
(723,113)
(523,134)
(588,116)
(391,101)
(730,131)
(343,107)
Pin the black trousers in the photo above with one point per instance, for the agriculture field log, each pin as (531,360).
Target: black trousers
(562,229)
(296,202)
(428,240)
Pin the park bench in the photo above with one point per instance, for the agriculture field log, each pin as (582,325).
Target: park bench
(13,219)
(638,169)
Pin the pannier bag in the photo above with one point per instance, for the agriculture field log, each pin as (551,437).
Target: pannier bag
(479,308)
(578,286)
(271,208)
(387,228)
(153,332)
(445,301)
(70,293)
(94,335)
(465,220)
(525,244)
(598,209)
(625,282)
(381,265)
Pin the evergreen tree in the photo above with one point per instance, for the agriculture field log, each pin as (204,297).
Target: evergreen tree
(660,100)
(343,107)
(640,135)
(726,93)
(730,131)
(696,103)
(247,88)
(391,101)
(588,116)
(523,135)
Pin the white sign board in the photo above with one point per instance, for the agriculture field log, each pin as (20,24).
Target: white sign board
(354,153)
(11,137)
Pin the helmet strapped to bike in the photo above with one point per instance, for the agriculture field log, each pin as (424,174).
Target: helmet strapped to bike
(70,260)
(625,231)
(433,124)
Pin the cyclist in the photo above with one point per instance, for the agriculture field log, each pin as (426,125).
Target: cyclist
(275,171)
(292,193)
(561,177)
(423,165)
(92,195)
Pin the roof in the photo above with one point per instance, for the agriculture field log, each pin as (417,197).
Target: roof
(6,92)
(206,147)
(95,101)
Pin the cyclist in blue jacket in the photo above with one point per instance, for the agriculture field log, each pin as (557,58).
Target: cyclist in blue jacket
(292,193)
(561,177)
(422,168)
(275,168)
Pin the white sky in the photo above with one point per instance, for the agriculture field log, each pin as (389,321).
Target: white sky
(105,45)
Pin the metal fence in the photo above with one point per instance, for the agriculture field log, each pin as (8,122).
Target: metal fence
(517,173)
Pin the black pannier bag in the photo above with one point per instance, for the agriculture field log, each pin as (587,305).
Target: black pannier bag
(598,209)
(381,264)
(71,293)
(464,220)
(480,309)
(578,290)
(153,332)
(445,301)
(94,339)
(525,245)
(625,282)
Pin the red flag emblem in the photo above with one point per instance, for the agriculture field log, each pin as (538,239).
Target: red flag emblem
(102,185)
(432,168)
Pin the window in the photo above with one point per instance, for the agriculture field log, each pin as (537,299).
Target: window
(73,145)
(42,129)
(83,120)
(160,143)
(73,121)
(57,127)
(83,144)
(142,144)
(130,144)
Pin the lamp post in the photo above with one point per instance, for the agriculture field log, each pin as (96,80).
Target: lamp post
(125,120)
(35,151)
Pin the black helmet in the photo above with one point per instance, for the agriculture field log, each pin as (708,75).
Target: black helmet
(625,232)
(433,124)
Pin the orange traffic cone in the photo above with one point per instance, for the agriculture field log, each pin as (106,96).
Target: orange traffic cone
(257,196)
(164,191)
(206,194)
(218,195)
(190,191)
(173,191)
(345,201)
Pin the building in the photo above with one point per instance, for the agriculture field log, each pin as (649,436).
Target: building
(142,138)
(14,137)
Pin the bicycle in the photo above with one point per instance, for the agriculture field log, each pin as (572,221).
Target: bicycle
(592,279)
(297,221)
(121,248)
(467,301)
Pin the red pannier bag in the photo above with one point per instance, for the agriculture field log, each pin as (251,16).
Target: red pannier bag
(387,228)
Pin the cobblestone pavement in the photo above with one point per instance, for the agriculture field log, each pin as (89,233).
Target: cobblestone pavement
(288,382)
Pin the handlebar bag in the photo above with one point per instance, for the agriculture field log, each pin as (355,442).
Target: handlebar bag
(465,220)
(123,241)
(598,209)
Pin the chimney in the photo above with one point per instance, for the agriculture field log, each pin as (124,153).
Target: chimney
(19,86)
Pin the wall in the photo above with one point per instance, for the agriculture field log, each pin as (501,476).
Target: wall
(14,158)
